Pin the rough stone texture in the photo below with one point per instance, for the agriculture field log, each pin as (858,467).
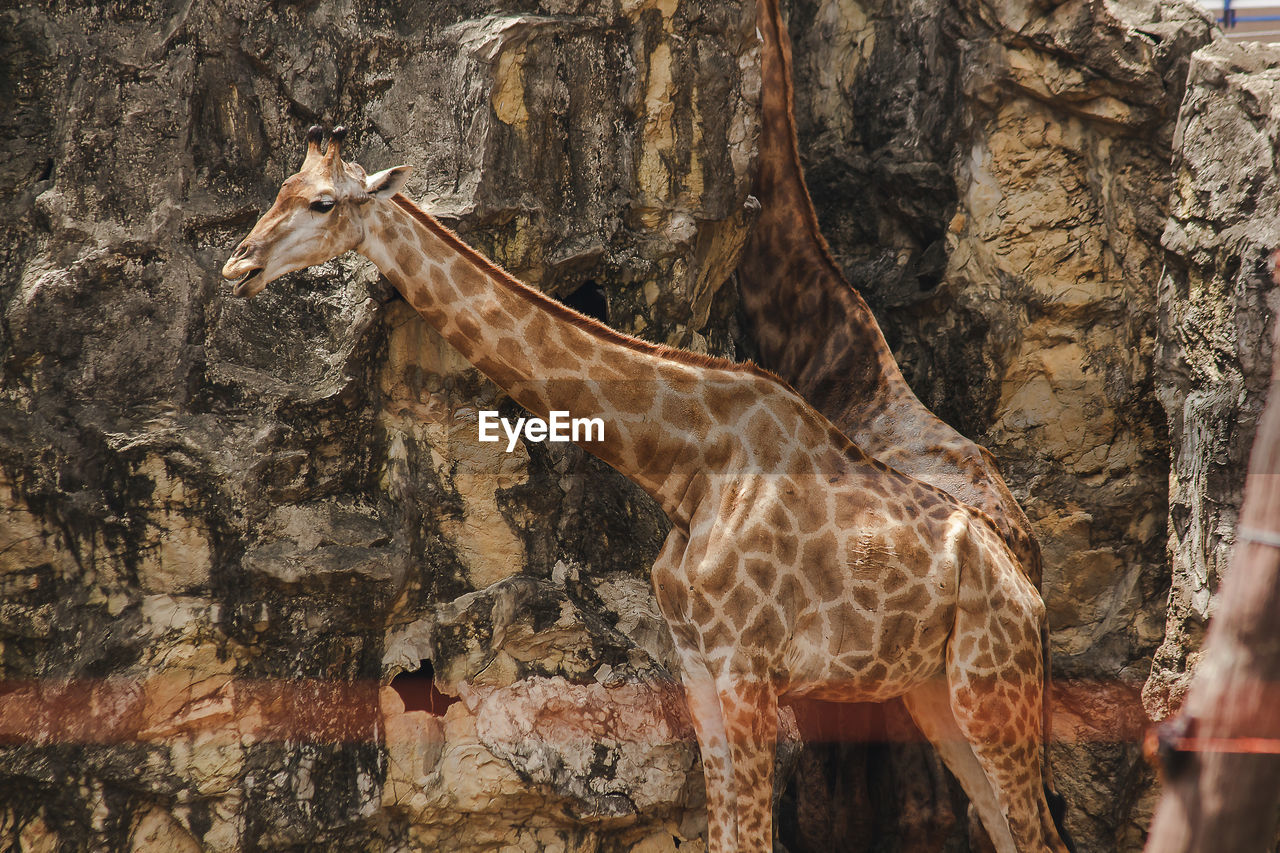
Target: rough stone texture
(225,526)
(214,513)
(566,730)
(1217,305)
(994,178)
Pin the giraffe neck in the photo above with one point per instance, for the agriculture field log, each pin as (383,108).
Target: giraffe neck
(789,279)
(549,358)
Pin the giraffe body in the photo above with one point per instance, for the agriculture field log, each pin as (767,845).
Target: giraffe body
(796,563)
(818,334)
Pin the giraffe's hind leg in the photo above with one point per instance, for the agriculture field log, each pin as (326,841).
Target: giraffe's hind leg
(995,688)
(750,708)
(1001,722)
(930,707)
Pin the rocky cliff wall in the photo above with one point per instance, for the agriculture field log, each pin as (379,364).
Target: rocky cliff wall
(225,527)
(996,180)
(1217,304)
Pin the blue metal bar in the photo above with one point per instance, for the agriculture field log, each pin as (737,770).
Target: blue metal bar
(1231,18)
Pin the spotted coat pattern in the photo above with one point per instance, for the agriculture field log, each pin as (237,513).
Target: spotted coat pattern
(818,333)
(796,565)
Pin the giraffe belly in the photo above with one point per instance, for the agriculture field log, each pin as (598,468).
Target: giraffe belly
(845,688)
(872,657)
(882,601)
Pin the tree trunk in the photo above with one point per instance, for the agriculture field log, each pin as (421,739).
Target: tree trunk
(1221,754)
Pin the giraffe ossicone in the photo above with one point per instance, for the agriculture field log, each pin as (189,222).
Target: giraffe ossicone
(796,565)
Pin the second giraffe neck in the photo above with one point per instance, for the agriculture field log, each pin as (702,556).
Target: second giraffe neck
(789,279)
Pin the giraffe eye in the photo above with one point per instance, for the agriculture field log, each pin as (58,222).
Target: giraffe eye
(322,205)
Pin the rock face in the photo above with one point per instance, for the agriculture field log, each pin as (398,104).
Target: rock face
(995,179)
(216,516)
(565,732)
(1217,305)
(262,588)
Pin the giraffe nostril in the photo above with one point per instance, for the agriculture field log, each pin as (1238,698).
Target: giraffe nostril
(239,252)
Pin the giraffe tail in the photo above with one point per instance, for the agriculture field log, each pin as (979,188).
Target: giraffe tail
(1056,802)
(1058,811)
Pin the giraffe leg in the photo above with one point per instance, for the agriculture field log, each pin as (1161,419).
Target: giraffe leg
(750,707)
(930,707)
(713,743)
(995,701)
(702,697)
(1011,763)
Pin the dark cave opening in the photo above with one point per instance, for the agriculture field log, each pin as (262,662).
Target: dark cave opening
(589,299)
(418,691)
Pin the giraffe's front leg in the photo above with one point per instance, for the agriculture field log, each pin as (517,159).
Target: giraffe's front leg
(750,708)
(700,693)
(713,743)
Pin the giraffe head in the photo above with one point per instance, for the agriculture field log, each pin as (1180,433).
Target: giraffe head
(319,214)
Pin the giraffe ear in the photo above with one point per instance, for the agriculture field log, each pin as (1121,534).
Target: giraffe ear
(388,182)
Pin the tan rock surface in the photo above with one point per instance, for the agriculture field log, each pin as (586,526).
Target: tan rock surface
(225,526)
(214,514)
(1217,303)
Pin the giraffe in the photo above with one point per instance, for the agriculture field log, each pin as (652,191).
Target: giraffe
(817,333)
(796,564)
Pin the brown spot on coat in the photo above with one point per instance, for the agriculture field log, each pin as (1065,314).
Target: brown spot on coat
(717,579)
(409,262)
(632,398)
(685,414)
(894,579)
(911,600)
(762,572)
(538,328)
(496,319)
(790,592)
(738,606)
(513,355)
(441,284)
(787,547)
(767,630)
(897,632)
(852,629)
(809,512)
(762,434)
(467,326)
(778,518)
(818,551)
(554,358)
(866,598)
(759,538)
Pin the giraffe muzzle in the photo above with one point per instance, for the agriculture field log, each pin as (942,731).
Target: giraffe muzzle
(245,271)
(250,285)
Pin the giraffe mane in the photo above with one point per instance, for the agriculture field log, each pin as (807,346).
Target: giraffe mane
(567,314)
